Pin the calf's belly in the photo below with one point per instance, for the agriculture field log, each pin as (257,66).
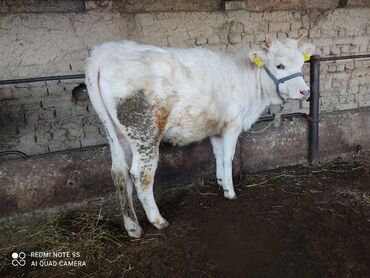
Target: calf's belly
(183,135)
(186,132)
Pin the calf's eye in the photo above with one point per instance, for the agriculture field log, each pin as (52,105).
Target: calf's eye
(280,67)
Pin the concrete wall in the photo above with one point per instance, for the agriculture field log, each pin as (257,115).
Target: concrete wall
(70,177)
(54,37)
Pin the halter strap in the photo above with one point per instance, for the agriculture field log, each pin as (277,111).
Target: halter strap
(281,80)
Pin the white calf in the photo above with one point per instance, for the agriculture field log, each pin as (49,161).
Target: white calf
(144,94)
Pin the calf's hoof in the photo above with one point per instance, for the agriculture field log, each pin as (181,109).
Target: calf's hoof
(230,194)
(135,233)
(132,227)
(160,223)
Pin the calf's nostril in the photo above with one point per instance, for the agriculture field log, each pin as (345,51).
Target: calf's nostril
(305,93)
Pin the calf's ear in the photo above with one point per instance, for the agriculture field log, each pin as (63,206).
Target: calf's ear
(307,50)
(258,57)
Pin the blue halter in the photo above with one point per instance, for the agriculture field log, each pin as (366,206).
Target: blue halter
(281,80)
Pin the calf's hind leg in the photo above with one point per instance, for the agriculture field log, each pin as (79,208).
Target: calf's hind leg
(142,172)
(124,188)
(121,161)
(142,123)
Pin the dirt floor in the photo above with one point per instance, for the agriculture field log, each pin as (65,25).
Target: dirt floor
(292,222)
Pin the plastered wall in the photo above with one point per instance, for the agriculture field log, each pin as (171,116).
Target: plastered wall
(43,117)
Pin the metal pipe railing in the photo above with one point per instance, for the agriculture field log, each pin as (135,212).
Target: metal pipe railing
(314,100)
(313,116)
(347,57)
(40,79)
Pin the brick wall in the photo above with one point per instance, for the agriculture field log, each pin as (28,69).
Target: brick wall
(44,117)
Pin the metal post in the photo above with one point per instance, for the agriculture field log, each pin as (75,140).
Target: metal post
(314,108)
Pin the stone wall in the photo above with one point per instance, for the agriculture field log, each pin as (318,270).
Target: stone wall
(43,117)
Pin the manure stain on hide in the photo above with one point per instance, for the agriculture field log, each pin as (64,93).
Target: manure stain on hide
(119,181)
(210,125)
(121,187)
(134,110)
(147,180)
(136,114)
(156,222)
(161,120)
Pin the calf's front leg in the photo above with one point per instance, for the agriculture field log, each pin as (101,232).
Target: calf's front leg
(229,140)
(216,142)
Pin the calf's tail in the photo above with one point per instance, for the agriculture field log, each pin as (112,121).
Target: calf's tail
(96,88)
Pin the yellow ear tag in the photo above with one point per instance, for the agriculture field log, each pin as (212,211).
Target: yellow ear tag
(257,61)
(306,57)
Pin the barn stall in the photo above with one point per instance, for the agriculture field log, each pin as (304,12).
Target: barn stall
(310,220)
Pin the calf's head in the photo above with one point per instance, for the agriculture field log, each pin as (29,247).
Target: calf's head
(281,64)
